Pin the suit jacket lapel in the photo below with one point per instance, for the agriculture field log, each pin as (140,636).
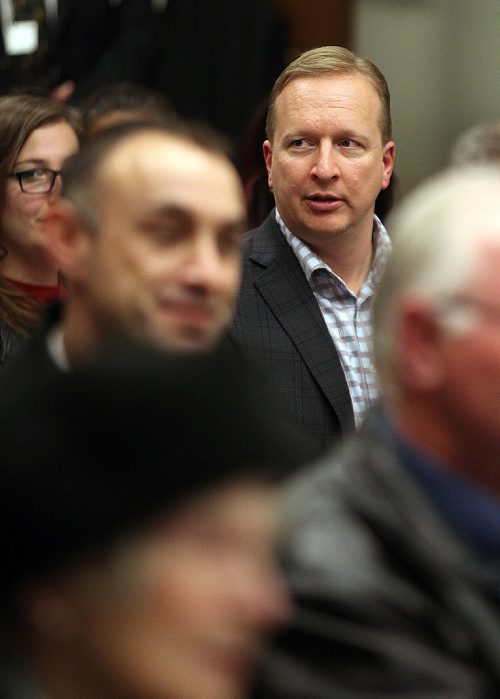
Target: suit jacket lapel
(286,291)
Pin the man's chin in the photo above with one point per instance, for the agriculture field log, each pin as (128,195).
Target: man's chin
(189,339)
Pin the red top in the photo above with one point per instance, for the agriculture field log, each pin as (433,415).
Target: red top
(42,294)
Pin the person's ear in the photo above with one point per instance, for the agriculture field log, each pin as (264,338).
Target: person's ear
(419,357)
(66,238)
(48,613)
(267,149)
(388,156)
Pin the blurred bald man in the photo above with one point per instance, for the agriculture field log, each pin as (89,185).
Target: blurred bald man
(147,235)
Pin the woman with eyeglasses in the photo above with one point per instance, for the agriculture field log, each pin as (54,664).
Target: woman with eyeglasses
(36,135)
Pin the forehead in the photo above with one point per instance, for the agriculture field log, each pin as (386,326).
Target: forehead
(329,96)
(48,138)
(159,167)
(246,509)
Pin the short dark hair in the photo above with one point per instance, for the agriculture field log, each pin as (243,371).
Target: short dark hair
(80,172)
(129,100)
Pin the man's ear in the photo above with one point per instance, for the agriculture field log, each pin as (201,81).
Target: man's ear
(49,614)
(419,357)
(66,238)
(267,149)
(388,155)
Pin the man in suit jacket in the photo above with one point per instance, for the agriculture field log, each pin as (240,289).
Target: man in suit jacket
(311,268)
(394,547)
(80,46)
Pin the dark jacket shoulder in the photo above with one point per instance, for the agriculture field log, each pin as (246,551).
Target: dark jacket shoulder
(390,603)
(279,327)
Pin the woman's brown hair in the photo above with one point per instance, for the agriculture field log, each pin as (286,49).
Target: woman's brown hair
(20,115)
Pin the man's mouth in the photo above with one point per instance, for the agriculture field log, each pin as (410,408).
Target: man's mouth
(324,202)
(186,310)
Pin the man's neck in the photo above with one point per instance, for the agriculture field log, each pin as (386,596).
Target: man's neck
(469,454)
(351,263)
(349,252)
(349,256)
(79,334)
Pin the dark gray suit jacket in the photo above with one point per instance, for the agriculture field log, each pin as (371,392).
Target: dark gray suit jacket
(279,325)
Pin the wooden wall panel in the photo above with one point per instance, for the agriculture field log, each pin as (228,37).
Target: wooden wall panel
(318,22)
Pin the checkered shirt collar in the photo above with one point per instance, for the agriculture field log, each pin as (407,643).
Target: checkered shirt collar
(310,262)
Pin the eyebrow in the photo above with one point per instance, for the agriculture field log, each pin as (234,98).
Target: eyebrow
(36,161)
(308,132)
(170,210)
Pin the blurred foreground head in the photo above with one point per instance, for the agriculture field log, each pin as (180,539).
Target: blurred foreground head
(478,144)
(147,235)
(437,319)
(121,102)
(139,519)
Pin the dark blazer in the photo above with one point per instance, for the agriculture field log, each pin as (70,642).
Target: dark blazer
(96,42)
(31,356)
(279,325)
(10,343)
(391,602)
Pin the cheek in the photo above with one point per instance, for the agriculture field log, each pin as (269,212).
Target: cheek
(126,259)
(23,206)
(486,360)
(470,370)
(360,174)
(288,172)
(190,591)
(232,276)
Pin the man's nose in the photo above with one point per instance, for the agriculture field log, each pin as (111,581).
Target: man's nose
(325,166)
(265,600)
(205,267)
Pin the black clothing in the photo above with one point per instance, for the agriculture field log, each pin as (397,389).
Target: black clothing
(391,603)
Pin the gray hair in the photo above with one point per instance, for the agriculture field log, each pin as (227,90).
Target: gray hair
(436,232)
(479,144)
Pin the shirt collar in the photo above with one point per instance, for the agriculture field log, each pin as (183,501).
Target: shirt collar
(310,262)
(56,348)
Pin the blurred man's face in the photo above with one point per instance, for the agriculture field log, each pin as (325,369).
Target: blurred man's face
(471,361)
(164,266)
(183,611)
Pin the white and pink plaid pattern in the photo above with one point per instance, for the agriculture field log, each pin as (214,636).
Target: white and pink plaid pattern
(348,317)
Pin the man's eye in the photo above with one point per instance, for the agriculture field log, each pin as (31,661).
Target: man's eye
(298,143)
(165,234)
(347,143)
(230,244)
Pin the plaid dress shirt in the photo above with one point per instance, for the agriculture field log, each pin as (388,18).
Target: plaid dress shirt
(348,317)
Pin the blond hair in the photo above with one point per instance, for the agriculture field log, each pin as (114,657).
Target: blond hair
(326,60)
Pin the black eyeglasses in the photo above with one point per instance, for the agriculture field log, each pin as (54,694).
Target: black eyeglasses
(39,180)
